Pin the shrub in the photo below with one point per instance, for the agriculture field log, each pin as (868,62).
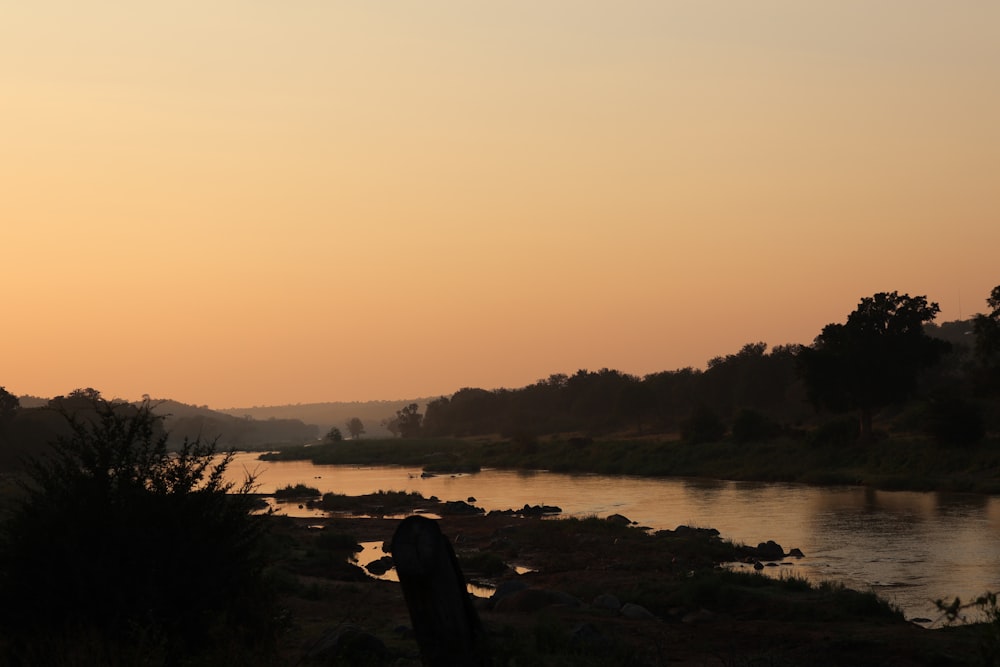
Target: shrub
(750,425)
(136,553)
(298,491)
(840,431)
(954,421)
(704,425)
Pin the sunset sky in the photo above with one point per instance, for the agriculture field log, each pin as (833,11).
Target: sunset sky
(254,202)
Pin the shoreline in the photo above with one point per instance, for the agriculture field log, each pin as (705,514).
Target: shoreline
(639,591)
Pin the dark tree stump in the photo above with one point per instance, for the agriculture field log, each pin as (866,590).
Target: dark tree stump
(446,625)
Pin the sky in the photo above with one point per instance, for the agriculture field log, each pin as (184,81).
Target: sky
(254,202)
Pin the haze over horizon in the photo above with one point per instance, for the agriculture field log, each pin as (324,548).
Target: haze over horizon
(244,204)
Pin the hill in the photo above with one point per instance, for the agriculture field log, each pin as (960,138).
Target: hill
(327,415)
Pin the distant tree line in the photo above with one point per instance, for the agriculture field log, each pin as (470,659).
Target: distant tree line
(888,359)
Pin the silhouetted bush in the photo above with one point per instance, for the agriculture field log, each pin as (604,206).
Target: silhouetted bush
(704,425)
(840,431)
(299,491)
(750,425)
(124,553)
(954,421)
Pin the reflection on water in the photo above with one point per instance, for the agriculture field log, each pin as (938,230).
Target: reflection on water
(912,548)
(372,551)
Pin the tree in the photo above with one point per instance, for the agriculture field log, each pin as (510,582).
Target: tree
(873,359)
(408,421)
(9,404)
(121,552)
(334,435)
(355,427)
(391,424)
(987,331)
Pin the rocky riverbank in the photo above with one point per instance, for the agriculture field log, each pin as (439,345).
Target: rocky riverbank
(589,592)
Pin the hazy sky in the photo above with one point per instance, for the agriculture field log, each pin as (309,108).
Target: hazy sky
(257,202)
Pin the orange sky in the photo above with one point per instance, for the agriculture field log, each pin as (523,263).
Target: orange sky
(248,203)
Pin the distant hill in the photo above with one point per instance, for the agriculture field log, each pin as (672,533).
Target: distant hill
(40,421)
(189,421)
(327,415)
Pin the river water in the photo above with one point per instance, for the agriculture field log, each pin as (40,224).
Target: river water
(911,548)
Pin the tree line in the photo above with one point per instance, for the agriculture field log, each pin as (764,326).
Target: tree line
(888,359)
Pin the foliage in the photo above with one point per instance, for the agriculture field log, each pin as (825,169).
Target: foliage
(334,435)
(873,359)
(954,421)
(704,425)
(987,613)
(407,421)
(298,491)
(138,553)
(986,328)
(750,425)
(355,427)
(9,404)
(835,432)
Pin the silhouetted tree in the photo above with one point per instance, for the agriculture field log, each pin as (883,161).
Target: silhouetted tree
(987,347)
(873,359)
(391,424)
(355,427)
(408,421)
(334,435)
(9,404)
(121,552)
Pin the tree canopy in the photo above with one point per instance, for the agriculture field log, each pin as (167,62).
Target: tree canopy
(873,359)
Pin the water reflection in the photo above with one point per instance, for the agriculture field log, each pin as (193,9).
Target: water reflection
(910,547)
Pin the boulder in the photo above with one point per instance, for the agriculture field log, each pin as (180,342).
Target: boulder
(607,601)
(770,550)
(380,566)
(619,519)
(533,599)
(347,644)
(636,612)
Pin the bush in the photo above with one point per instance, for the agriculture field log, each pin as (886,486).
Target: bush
(136,554)
(296,492)
(704,425)
(954,421)
(750,425)
(840,431)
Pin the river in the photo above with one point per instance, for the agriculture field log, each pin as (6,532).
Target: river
(911,548)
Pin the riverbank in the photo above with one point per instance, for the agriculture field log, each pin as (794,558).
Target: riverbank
(591,592)
(911,464)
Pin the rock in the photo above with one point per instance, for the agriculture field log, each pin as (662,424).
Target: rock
(347,644)
(533,599)
(587,638)
(470,499)
(796,553)
(607,601)
(504,589)
(699,616)
(460,508)
(380,566)
(770,550)
(619,519)
(688,530)
(636,612)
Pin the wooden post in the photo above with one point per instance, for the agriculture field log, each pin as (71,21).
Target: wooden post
(446,625)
